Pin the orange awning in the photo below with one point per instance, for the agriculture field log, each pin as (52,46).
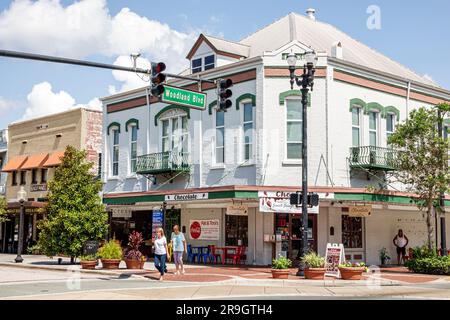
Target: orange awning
(15,163)
(35,161)
(54,159)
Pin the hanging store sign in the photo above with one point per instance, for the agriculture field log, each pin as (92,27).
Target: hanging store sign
(360,211)
(334,256)
(237,210)
(122,213)
(204,230)
(187,197)
(280,202)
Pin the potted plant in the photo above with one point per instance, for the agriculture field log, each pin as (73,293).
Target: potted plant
(134,258)
(314,266)
(280,268)
(110,255)
(384,257)
(352,271)
(88,262)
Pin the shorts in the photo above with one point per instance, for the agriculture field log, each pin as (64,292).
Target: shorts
(178,257)
(401,251)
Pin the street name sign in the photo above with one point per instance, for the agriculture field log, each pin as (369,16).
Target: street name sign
(183,97)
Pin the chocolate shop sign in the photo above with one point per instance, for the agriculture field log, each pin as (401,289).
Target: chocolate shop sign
(187,197)
(279,202)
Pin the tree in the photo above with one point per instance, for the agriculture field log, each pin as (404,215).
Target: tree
(75,210)
(3,210)
(422,160)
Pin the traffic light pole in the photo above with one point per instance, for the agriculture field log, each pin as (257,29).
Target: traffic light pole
(39,57)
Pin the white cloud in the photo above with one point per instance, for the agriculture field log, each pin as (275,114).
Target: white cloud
(129,80)
(42,101)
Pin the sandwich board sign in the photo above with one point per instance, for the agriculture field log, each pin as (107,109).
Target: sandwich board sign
(334,256)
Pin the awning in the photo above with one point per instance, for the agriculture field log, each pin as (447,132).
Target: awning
(15,164)
(54,159)
(35,161)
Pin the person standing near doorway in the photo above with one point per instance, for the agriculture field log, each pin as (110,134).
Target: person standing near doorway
(161,252)
(401,242)
(179,247)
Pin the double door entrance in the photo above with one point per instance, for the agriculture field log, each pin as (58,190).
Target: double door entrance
(289,238)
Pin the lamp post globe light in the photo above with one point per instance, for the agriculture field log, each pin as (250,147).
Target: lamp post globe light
(306,83)
(21,197)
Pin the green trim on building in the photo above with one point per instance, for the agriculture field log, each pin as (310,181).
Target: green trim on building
(374,106)
(357,102)
(292,93)
(391,109)
(172,106)
(132,121)
(113,124)
(212,105)
(246,96)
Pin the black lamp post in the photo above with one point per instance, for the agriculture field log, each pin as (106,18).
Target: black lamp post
(21,196)
(305,81)
(442,197)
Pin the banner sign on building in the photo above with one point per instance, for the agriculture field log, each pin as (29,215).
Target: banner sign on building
(122,213)
(334,256)
(237,210)
(360,211)
(187,197)
(204,230)
(157,222)
(279,202)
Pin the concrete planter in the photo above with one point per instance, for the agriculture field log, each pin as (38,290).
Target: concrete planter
(280,273)
(315,273)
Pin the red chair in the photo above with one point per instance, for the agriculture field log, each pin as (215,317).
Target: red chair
(237,256)
(213,256)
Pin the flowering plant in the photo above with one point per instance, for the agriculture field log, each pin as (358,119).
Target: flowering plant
(354,265)
(135,240)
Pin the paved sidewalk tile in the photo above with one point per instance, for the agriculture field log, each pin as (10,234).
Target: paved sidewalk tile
(216,291)
(247,290)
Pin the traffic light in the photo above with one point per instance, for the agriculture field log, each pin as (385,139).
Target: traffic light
(296,199)
(313,199)
(224,94)
(158,77)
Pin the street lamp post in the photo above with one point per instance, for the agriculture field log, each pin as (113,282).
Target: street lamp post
(305,81)
(442,197)
(21,196)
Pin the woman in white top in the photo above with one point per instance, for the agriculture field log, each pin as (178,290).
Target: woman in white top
(161,252)
(401,241)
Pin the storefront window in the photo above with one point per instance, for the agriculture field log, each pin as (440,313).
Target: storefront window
(352,232)
(236,231)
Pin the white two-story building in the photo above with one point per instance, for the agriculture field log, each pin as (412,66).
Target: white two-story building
(226,177)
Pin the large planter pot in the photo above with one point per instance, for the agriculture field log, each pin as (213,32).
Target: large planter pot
(134,264)
(88,265)
(351,273)
(110,263)
(280,273)
(315,273)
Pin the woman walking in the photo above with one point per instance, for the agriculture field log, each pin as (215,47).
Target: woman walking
(179,247)
(161,252)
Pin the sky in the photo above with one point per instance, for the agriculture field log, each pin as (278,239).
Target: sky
(413,33)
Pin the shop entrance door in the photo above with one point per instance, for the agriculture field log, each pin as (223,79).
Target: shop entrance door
(172,218)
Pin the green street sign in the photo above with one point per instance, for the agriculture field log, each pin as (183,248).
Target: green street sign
(183,97)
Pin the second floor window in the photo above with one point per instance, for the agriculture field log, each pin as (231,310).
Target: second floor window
(175,135)
(356,127)
(14,178)
(34,179)
(23,178)
(248,131)
(390,125)
(43,175)
(115,153)
(294,126)
(133,148)
(373,128)
(220,137)
(197,65)
(209,62)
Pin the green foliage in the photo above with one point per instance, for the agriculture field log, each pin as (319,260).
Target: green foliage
(3,210)
(89,258)
(384,256)
(423,252)
(110,250)
(281,263)
(75,210)
(430,265)
(352,265)
(313,260)
(422,159)
(34,249)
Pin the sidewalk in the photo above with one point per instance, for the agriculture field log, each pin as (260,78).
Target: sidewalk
(245,275)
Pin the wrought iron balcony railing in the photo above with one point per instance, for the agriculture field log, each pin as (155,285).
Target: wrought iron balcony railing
(374,158)
(164,162)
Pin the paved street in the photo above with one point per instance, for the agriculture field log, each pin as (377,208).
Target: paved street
(44,280)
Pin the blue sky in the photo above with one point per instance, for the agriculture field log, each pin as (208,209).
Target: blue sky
(413,33)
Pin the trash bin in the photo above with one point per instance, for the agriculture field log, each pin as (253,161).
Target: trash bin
(91,248)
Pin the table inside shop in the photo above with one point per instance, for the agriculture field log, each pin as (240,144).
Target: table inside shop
(225,251)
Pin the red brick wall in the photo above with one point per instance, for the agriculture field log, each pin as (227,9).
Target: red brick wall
(93,142)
